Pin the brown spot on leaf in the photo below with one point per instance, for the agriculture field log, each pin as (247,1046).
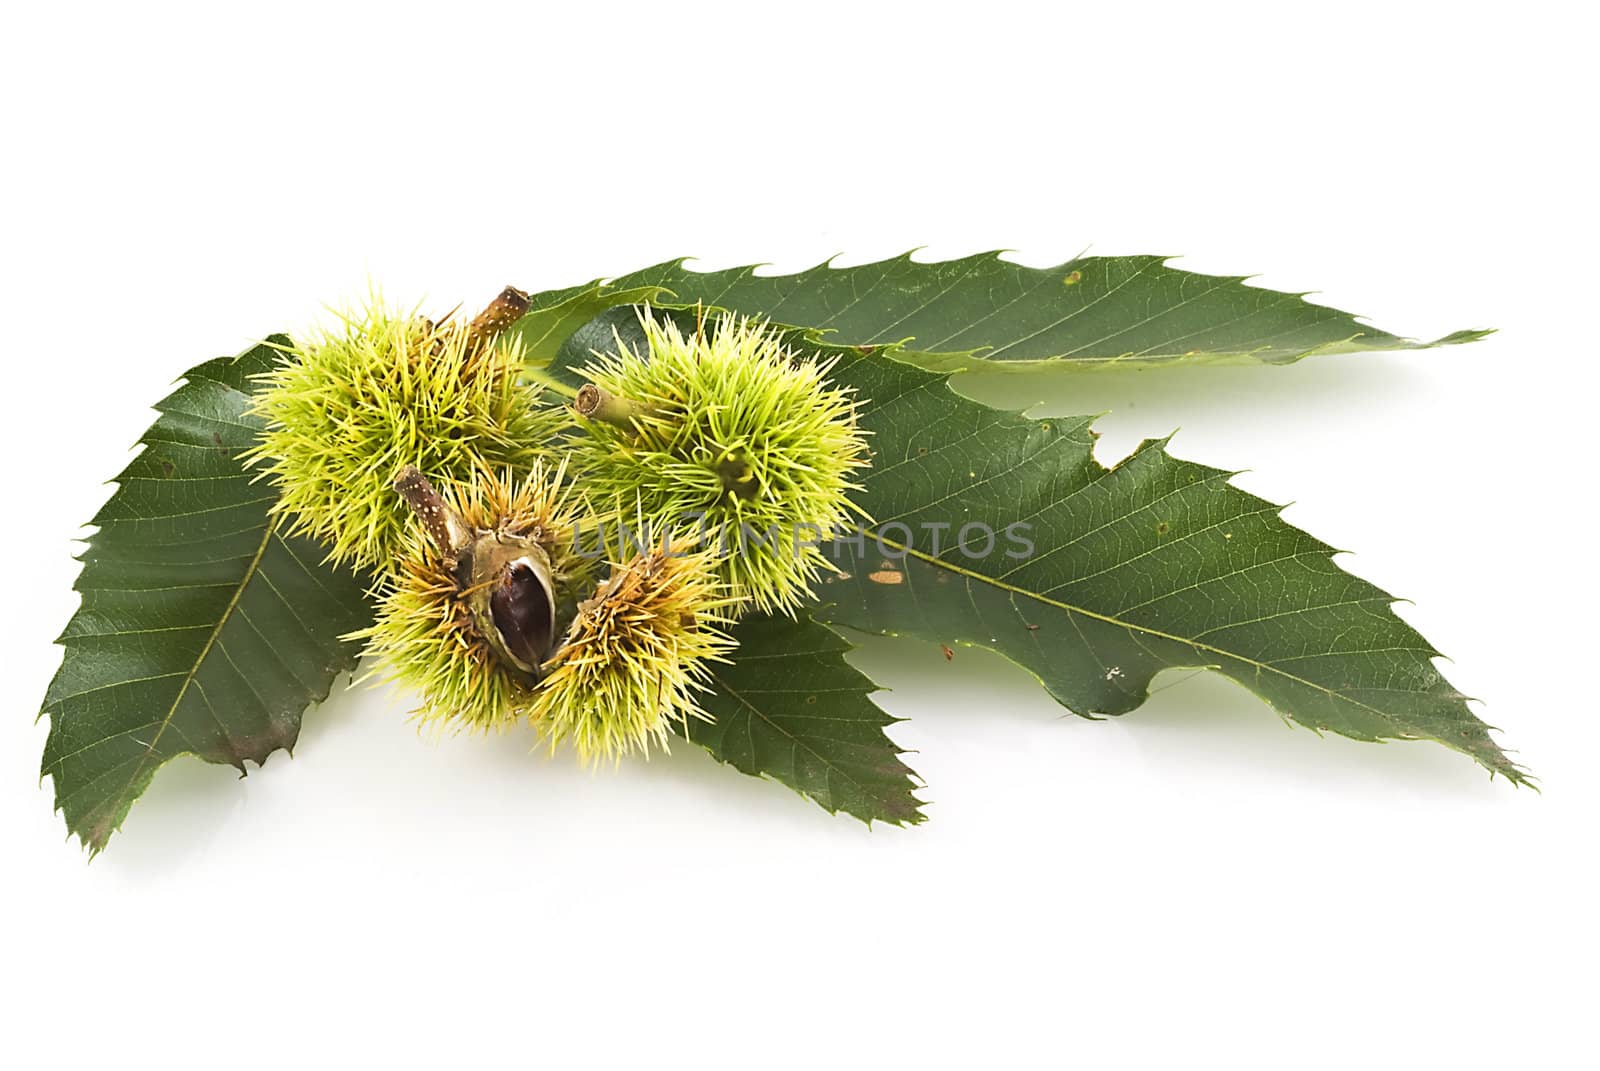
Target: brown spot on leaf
(168,468)
(99,831)
(1073,278)
(887,576)
(949,655)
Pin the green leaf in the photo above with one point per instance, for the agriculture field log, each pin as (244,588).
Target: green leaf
(983,311)
(202,630)
(789,707)
(1152,564)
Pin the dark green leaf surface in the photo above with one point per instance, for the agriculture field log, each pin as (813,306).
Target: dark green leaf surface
(1088,312)
(789,707)
(1152,564)
(202,630)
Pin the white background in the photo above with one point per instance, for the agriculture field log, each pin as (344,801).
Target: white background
(1193,883)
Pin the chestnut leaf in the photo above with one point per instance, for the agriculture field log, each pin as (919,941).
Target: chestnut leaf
(787,706)
(1088,312)
(203,629)
(1154,563)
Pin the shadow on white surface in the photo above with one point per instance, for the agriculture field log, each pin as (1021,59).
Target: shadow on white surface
(188,806)
(1151,402)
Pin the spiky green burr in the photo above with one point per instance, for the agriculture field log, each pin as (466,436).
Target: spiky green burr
(438,629)
(730,432)
(350,406)
(635,656)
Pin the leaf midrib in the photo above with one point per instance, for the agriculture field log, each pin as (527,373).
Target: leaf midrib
(205,650)
(1131,626)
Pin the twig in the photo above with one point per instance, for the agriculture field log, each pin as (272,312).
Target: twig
(445,527)
(506,309)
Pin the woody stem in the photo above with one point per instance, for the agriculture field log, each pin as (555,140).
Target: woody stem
(445,527)
(506,309)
